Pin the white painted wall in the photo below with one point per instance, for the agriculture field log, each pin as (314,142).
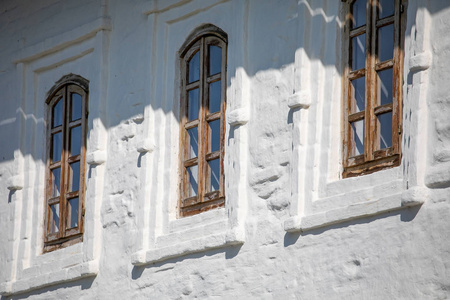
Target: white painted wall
(291,228)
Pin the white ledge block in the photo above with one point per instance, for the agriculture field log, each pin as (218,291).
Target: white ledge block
(15,183)
(97,157)
(79,271)
(238,116)
(301,99)
(147,146)
(214,241)
(343,214)
(414,196)
(420,61)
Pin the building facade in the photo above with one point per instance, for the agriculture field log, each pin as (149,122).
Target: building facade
(224,149)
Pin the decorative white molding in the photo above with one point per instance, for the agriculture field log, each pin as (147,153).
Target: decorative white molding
(239,116)
(420,62)
(97,157)
(64,40)
(301,99)
(147,146)
(209,242)
(78,271)
(356,211)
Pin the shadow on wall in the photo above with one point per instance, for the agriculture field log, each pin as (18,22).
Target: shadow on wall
(230,253)
(294,26)
(82,284)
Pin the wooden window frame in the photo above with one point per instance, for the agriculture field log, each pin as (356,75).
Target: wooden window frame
(62,91)
(204,200)
(373,159)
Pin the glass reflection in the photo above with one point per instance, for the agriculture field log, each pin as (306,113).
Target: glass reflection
(215,59)
(385,48)
(76,107)
(214,96)
(57,146)
(194,68)
(193,105)
(193,142)
(75,141)
(56,182)
(358,13)
(57,113)
(359,52)
(214,135)
(54,223)
(214,174)
(72,218)
(358,92)
(386,8)
(385,124)
(385,86)
(74,177)
(358,135)
(193,180)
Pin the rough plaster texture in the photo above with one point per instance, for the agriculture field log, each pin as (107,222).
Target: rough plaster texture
(291,228)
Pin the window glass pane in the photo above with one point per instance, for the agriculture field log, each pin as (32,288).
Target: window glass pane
(193,104)
(56,182)
(192,180)
(194,68)
(54,218)
(385,42)
(76,107)
(193,142)
(385,86)
(359,13)
(385,125)
(214,135)
(215,59)
(75,140)
(214,174)
(57,146)
(74,179)
(358,94)
(72,213)
(57,113)
(358,52)
(358,137)
(214,96)
(386,8)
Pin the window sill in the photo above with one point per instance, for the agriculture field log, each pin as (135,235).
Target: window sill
(186,237)
(408,198)
(36,280)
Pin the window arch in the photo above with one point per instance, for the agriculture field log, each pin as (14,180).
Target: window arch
(202,120)
(67,110)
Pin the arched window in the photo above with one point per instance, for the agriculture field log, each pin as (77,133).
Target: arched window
(66,148)
(202,131)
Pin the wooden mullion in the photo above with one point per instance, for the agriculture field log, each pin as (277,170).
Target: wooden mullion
(381,66)
(223,106)
(397,81)
(52,201)
(192,85)
(191,124)
(53,166)
(385,21)
(356,116)
(214,116)
(191,162)
(214,78)
(75,123)
(352,75)
(212,155)
(369,91)
(55,130)
(202,133)
(382,109)
(64,164)
(357,31)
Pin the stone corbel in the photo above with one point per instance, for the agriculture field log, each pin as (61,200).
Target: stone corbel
(96,157)
(147,146)
(301,99)
(420,62)
(239,116)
